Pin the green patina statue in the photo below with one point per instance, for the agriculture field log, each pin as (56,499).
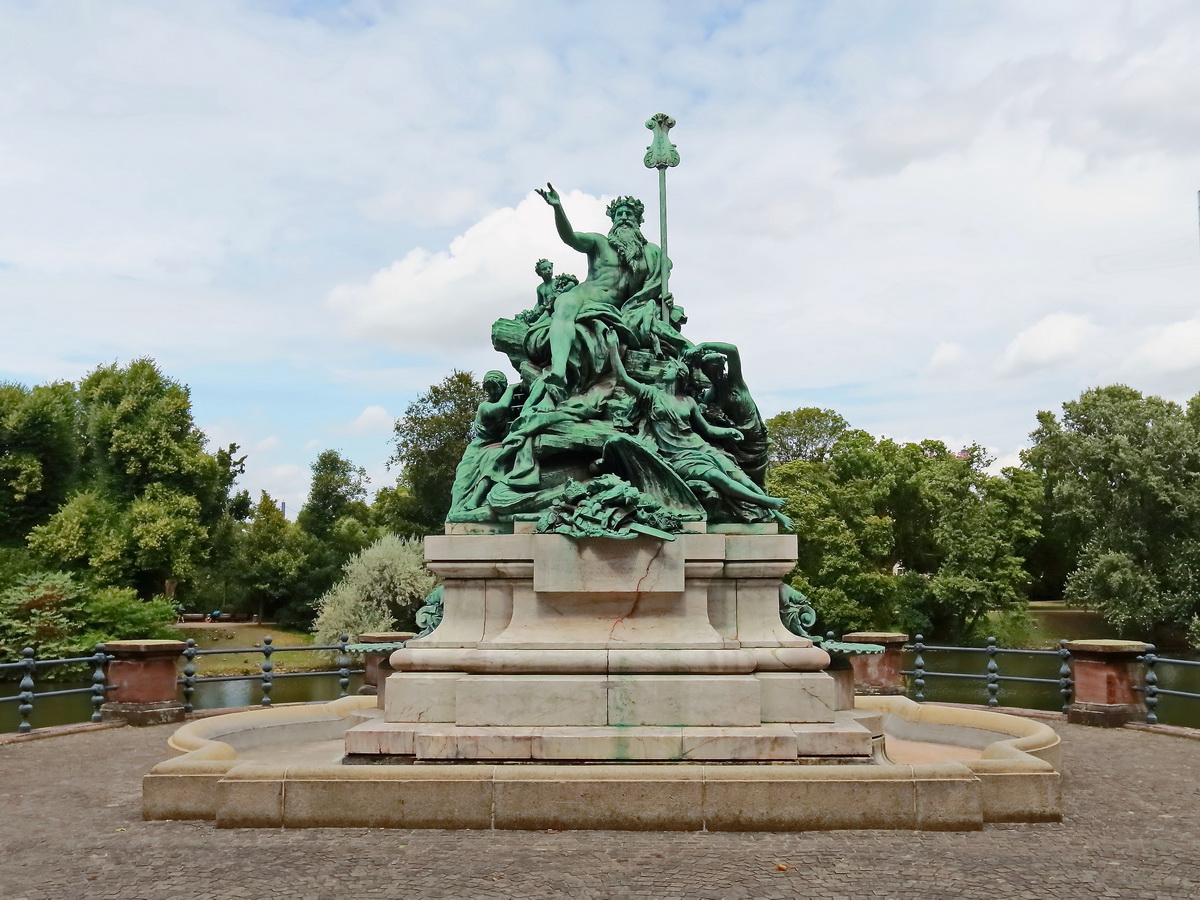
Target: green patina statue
(619,425)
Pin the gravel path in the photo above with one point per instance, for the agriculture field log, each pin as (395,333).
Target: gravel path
(72,829)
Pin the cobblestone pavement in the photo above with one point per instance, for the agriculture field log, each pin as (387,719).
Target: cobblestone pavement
(71,828)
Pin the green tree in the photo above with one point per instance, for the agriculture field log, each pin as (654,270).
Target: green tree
(1122,499)
(138,431)
(430,440)
(394,510)
(60,614)
(90,532)
(808,433)
(338,489)
(272,563)
(907,535)
(39,455)
(147,494)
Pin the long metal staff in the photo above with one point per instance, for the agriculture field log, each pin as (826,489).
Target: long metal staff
(662,155)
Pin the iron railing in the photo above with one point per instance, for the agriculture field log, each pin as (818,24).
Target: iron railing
(991,674)
(29,664)
(27,667)
(267,674)
(993,678)
(1149,688)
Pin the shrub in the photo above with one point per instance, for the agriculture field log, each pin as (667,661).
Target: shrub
(59,614)
(381,587)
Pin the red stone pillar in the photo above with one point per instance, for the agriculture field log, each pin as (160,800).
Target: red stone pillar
(878,673)
(376,668)
(1106,674)
(142,676)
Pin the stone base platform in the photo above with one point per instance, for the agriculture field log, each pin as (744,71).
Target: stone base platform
(853,736)
(229,773)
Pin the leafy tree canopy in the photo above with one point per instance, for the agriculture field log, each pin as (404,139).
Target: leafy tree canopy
(338,488)
(1122,499)
(430,440)
(39,454)
(910,535)
(146,493)
(808,433)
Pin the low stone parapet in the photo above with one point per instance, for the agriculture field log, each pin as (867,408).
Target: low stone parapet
(1107,675)
(142,678)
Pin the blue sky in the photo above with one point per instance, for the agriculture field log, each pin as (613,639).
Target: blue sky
(936,218)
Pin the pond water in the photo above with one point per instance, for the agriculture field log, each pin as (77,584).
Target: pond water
(210,695)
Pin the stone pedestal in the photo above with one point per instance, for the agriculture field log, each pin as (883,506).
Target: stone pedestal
(1106,674)
(878,673)
(143,679)
(376,667)
(602,649)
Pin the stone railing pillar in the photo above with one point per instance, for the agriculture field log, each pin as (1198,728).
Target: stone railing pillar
(1106,676)
(376,667)
(878,673)
(143,679)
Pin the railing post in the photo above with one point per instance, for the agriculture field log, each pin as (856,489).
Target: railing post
(1106,676)
(99,682)
(1150,682)
(919,670)
(343,661)
(25,708)
(1066,687)
(145,689)
(189,675)
(878,673)
(267,668)
(993,674)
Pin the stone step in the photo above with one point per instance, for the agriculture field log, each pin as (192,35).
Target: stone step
(845,737)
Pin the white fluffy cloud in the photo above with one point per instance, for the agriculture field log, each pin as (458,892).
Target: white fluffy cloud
(1175,348)
(1051,341)
(308,210)
(443,303)
(373,419)
(948,358)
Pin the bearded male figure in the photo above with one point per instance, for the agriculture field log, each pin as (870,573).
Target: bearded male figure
(622,266)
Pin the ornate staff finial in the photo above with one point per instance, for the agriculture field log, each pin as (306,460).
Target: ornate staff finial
(661,154)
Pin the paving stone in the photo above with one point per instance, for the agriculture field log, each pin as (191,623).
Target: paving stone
(72,828)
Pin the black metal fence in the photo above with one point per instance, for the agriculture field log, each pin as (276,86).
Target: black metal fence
(1151,692)
(991,674)
(1056,671)
(1053,668)
(267,675)
(28,666)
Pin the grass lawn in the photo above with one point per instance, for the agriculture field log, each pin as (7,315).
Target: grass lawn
(245,637)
